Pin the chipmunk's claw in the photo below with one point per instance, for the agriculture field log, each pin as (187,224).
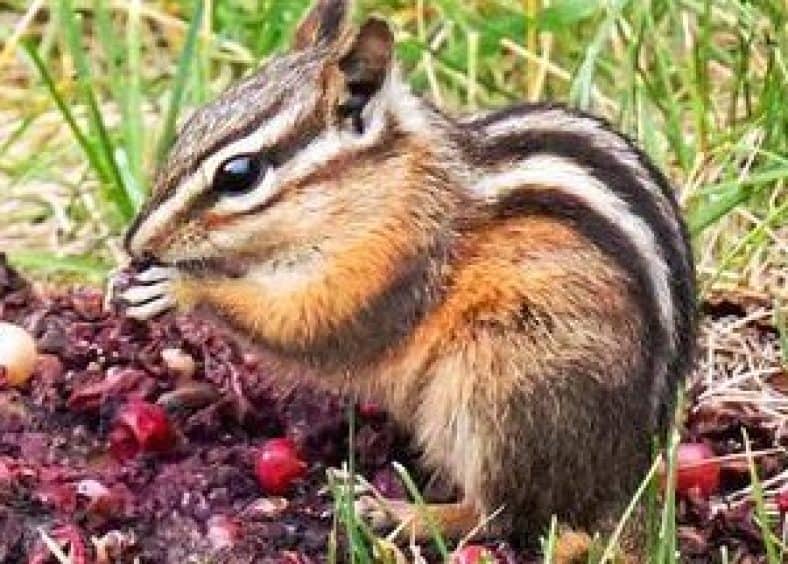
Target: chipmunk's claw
(144,295)
(152,309)
(379,512)
(137,295)
(157,274)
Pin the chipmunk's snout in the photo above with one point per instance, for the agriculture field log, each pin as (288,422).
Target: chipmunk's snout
(143,246)
(139,251)
(128,238)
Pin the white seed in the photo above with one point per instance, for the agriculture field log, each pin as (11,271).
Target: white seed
(265,507)
(17,353)
(180,362)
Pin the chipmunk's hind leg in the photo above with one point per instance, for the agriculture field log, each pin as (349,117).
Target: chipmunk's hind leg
(452,520)
(462,521)
(422,522)
(572,547)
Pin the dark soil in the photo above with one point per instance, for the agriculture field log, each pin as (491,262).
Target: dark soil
(199,500)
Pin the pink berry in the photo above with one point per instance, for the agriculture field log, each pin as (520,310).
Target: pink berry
(369,409)
(140,427)
(697,469)
(278,465)
(782,501)
(473,554)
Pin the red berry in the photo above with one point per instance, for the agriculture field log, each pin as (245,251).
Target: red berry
(369,409)
(698,469)
(140,427)
(473,554)
(782,501)
(278,465)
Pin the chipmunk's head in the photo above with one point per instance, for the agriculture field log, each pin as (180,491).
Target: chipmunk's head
(287,158)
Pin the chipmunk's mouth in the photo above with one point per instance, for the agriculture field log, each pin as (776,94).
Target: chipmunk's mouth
(232,268)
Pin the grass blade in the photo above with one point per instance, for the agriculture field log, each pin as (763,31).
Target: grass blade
(42,262)
(437,537)
(181,77)
(65,111)
(613,543)
(719,208)
(781,322)
(666,542)
(549,543)
(125,86)
(125,83)
(760,505)
(107,37)
(763,177)
(133,101)
(116,191)
(582,85)
(18,132)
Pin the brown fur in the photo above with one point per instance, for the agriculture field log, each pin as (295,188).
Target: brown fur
(521,373)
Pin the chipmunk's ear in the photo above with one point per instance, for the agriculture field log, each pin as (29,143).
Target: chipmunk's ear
(365,66)
(325,23)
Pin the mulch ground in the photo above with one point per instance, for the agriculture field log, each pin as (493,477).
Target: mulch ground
(199,500)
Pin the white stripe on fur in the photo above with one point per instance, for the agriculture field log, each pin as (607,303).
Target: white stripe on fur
(557,119)
(549,171)
(563,175)
(323,149)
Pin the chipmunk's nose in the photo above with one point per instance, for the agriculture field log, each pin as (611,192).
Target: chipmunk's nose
(128,238)
(137,245)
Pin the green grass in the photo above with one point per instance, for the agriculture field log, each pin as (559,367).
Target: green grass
(701,84)
(96,89)
(760,507)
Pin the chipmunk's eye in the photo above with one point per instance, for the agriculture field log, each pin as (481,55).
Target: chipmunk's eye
(354,105)
(239,174)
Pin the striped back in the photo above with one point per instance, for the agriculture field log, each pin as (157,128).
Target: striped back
(570,164)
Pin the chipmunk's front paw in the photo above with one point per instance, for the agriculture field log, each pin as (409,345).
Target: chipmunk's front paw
(143,295)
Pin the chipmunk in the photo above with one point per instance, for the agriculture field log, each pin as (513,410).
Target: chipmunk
(516,289)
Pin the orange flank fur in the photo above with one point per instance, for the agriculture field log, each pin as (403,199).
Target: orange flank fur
(479,350)
(495,279)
